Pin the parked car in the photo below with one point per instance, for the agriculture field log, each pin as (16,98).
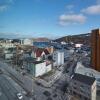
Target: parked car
(20,96)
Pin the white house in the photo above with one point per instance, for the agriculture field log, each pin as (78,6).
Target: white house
(58,57)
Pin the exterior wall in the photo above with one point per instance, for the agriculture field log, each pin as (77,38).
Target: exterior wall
(40,69)
(93,91)
(81,90)
(58,57)
(98,51)
(48,68)
(37,69)
(95,43)
(8,55)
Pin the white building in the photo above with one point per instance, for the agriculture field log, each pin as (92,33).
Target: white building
(37,68)
(8,55)
(58,57)
(26,42)
(78,45)
(83,87)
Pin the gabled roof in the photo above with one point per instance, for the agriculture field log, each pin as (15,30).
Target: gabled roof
(46,51)
(84,79)
(39,51)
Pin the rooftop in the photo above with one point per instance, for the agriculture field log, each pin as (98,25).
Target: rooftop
(84,79)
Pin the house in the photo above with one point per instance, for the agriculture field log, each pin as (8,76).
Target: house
(36,68)
(40,53)
(83,87)
(58,57)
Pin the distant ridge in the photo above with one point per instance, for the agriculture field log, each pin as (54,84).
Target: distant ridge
(43,39)
(81,38)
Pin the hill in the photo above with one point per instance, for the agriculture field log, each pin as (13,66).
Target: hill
(81,38)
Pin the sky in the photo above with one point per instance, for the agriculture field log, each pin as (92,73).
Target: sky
(48,18)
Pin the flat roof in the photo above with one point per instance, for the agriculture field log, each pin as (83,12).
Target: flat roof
(32,60)
(84,79)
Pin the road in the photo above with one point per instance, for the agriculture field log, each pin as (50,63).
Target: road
(10,86)
(28,83)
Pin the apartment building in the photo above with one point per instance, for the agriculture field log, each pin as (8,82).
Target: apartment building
(83,87)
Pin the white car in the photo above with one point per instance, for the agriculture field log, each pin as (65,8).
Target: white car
(20,96)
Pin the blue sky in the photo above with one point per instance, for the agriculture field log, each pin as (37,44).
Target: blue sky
(48,18)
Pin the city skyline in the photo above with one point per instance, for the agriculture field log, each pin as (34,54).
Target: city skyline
(47,18)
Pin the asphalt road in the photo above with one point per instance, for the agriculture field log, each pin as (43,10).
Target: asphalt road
(9,87)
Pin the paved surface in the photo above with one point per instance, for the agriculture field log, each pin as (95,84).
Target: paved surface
(55,92)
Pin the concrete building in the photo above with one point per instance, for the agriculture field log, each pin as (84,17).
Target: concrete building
(58,57)
(37,68)
(83,87)
(95,44)
(81,69)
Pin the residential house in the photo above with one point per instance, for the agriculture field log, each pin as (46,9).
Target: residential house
(40,54)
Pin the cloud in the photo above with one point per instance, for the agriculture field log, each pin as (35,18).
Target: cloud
(67,19)
(94,9)
(12,35)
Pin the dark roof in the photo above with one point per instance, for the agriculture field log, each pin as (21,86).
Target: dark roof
(46,51)
(32,60)
(84,79)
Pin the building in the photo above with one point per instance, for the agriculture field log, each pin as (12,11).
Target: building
(83,87)
(36,68)
(41,44)
(78,45)
(58,57)
(95,44)
(50,49)
(81,69)
(40,53)
(26,42)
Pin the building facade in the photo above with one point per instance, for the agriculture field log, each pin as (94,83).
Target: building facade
(36,68)
(58,57)
(83,87)
(95,44)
